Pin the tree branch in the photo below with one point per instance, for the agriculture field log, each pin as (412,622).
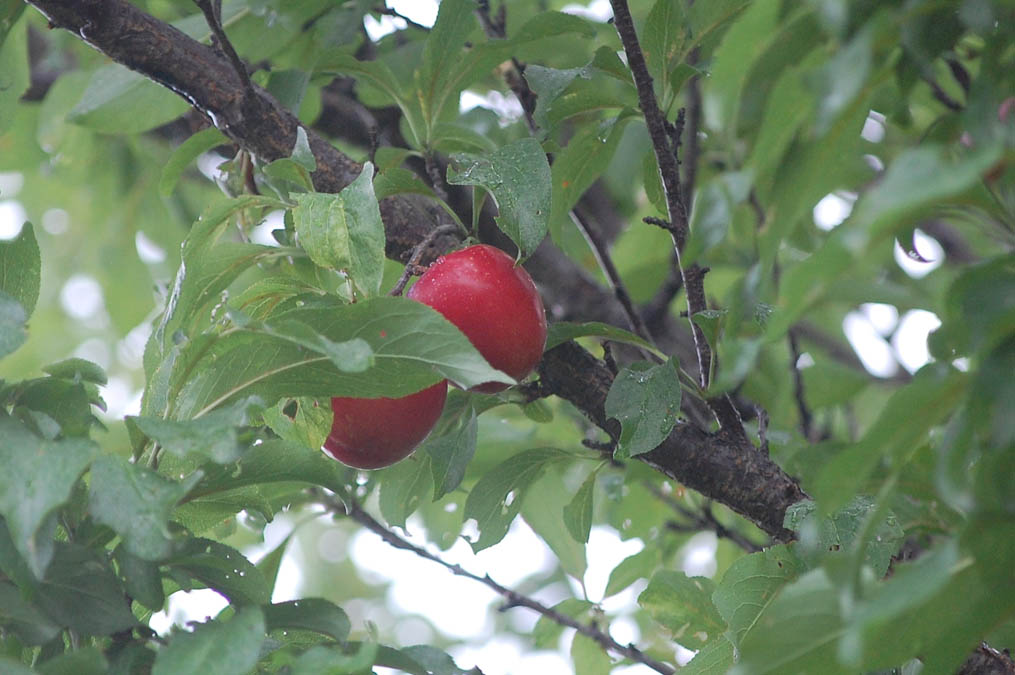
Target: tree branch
(722,467)
(665,153)
(702,519)
(353,510)
(602,253)
(212,16)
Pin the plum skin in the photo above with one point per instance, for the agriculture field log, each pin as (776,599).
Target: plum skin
(493,302)
(371,433)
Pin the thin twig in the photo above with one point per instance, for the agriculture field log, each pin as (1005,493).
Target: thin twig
(806,418)
(513,598)
(960,73)
(692,144)
(389,11)
(601,250)
(701,520)
(433,171)
(496,28)
(669,173)
(412,266)
(940,93)
(214,20)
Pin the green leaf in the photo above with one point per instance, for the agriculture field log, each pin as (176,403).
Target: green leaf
(787,108)
(85,661)
(14,71)
(981,304)
(223,569)
(136,503)
(715,658)
(410,341)
(403,489)
(208,265)
(354,658)
(24,619)
(663,38)
(916,178)
(20,265)
(828,383)
(798,632)
(351,356)
(451,453)
(121,101)
(288,87)
(588,656)
(631,569)
(12,667)
(187,152)
(202,514)
(38,477)
(683,605)
(547,84)
(377,73)
(843,77)
(706,19)
(714,206)
(750,584)
(450,137)
(544,502)
(839,531)
(547,632)
(442,56)
(433,660)
(13,320)
(76,369)
(562,331)
(301,420)
(141,578)
(66,403)
(81,592)
(213,436)
(313,614)
(899,601)
(645,399)
(923,403)
(710,321)
(578,512)
(13,564)
(741,46)
(270,563)
(396,181)
(344,231)
(518,177)
(215,648)
(272,462)
(497,497)
(578,165)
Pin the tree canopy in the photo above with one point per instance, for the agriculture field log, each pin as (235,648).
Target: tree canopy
(773,241)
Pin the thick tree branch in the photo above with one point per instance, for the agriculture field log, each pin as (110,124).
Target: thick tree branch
(724,467)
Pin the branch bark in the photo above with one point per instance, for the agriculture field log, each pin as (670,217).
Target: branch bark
(722,466)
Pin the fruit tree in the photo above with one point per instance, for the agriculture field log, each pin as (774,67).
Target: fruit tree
(681,332)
